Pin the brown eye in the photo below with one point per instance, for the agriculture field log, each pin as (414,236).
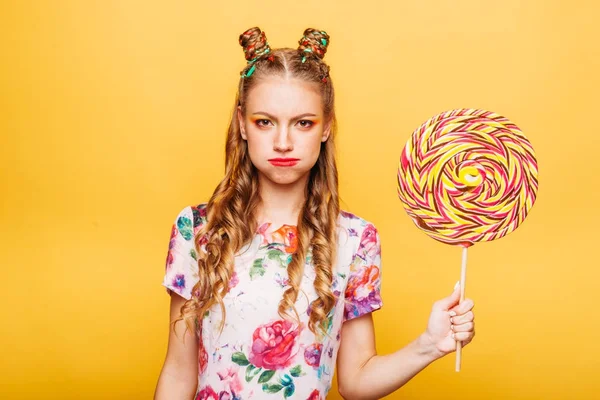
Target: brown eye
(262,122)
(304,123)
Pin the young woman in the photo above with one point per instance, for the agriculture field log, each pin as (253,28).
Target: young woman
(274,282)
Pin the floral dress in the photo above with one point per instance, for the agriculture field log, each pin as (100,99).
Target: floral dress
(260,355)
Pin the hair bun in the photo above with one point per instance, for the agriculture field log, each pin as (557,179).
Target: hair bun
(254,42)
(314,41)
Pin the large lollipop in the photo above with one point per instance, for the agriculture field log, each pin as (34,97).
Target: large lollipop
(467,176)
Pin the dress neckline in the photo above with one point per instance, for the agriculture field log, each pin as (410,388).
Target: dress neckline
(267,228)
(285,234)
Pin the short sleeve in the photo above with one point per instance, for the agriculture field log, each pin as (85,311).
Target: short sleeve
(363,290)
(181,269)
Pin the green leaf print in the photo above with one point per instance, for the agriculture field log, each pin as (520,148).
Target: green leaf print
(251,372)
(296,371)
(309,256)
(266,376)
(257,269)
(240,359)
(286,380)
(271,388)
(193,254)
(289,391)
(329,323)
(184,225)
(277,255)
(274,254)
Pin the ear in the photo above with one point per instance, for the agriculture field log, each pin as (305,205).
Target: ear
(326,132)
(241,122)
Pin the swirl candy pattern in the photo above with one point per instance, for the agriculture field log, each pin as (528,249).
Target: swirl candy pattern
(467,176)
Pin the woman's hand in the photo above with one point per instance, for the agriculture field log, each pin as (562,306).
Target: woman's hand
(449,322)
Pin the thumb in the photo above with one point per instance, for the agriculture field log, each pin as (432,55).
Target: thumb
(448,302)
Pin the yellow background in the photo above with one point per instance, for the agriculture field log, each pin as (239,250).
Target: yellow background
(113,118)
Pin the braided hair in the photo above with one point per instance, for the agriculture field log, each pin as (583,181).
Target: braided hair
(231,211)
(312,48)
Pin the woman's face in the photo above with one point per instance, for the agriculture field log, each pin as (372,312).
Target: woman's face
(284,126)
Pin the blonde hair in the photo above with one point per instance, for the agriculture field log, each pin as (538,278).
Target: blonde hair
(231,210)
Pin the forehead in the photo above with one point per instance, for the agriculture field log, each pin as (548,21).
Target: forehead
(284,97)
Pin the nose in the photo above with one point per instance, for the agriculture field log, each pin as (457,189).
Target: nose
(283,141)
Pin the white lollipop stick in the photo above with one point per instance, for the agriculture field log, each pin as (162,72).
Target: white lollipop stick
(463,278)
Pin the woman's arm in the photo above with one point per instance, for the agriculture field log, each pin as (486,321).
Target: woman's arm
(362,374)
(178,378)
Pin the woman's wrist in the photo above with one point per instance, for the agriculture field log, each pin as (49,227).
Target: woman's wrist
(427,347)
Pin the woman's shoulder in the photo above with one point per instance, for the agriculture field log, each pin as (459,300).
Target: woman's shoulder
(192,216)
(352,221)
(355,230)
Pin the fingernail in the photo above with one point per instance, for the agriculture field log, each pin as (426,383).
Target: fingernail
(452,313)
(457,285)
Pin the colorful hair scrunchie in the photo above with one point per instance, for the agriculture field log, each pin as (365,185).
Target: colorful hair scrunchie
(259,54)
(314,46)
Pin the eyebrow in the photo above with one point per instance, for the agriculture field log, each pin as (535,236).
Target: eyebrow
(273,117)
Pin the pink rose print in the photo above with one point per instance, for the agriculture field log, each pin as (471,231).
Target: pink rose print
(312,354)
(234,280)
(231,379)
(199,213)
(202,242)
(202,356)
(274,345)
(314,395)
(199,210)
(225,396)
(362,291)
(362,283)
(207,394)
(368,243)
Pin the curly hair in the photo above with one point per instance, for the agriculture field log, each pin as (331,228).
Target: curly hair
(231,210)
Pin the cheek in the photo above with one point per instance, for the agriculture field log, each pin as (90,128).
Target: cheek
(256,146)
(312,147)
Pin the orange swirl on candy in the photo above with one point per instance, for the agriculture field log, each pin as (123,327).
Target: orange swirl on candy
(467,176)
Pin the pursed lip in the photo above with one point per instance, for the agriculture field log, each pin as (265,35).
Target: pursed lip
(284,162)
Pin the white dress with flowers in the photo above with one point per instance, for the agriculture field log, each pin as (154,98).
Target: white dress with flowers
(259,355)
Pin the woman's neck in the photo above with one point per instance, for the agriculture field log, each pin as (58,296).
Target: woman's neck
(280,204)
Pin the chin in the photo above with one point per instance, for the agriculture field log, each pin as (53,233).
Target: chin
(284,179)
(288,177)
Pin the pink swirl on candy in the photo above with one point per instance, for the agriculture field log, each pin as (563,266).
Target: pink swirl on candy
(467,176)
